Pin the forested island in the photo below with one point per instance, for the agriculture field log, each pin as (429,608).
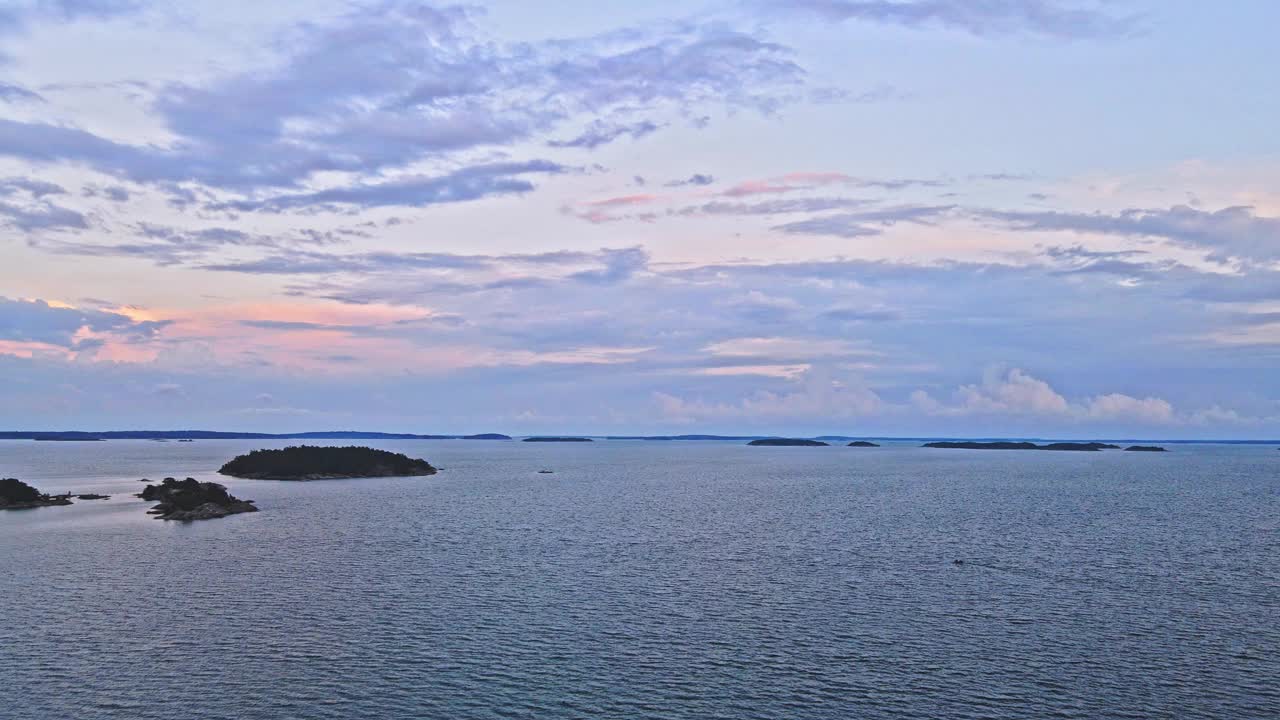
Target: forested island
(862,443)
(306,462)
(189,435)
(190,499)
(1145,448)
(787,442)
(1006,445)
(558,439)
(17,495)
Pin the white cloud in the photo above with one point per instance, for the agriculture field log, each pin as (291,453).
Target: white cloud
(1115,406)
(819,396)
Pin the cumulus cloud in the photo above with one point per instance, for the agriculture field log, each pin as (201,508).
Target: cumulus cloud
(1014,392)
(1116,406)
(816,396)
(64,326)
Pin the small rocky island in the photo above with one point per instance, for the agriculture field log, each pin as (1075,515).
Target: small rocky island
(558,439)
(1145,448)
(862,443)
(787,442)
(1009,445)
(190,499)
(306,462)
(17,495)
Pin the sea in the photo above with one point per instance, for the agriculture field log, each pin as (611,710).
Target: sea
(675,579)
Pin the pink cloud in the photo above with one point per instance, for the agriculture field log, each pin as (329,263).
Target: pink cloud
(623,201)
(816,178)
(760,187)
(790,182)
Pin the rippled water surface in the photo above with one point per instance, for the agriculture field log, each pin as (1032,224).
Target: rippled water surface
(652,580)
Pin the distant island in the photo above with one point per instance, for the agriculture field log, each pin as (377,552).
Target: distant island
(17,495)
(189,499)
(788,442)
(557,439)
(186,435)
(1003,445)
(862,443)
(1145,448)
(307,462)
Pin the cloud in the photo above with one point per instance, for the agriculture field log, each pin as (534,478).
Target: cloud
(24,206)
(696,179)
(16,93)
(866,223)
(619,265)
(470,183)
(166,246)
(39,321)
(1229,232)
(1014,392)
(778,206)
(799,181)
(1010,391)
(114,193)
(1116,406)
(41,216)
(816,396)
(1061,19)
(600,132)
(36,188)
(396,85)
(16,15)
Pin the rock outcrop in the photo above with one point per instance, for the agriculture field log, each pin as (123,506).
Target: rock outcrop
(193,500)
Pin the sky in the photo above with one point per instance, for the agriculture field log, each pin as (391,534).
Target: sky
(1055,218)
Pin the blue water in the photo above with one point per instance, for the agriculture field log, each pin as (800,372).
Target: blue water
(652,580)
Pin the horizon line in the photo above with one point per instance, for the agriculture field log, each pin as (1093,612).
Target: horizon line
(691,436)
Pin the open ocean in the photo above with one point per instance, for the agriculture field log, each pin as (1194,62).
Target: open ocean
(651,580)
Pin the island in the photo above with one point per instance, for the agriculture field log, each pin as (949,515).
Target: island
(862,443)
(189,499)
(1010,445)
(487,436)
(17,495)
(787,442)
(1145,448)
(557,439)
(306,462)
